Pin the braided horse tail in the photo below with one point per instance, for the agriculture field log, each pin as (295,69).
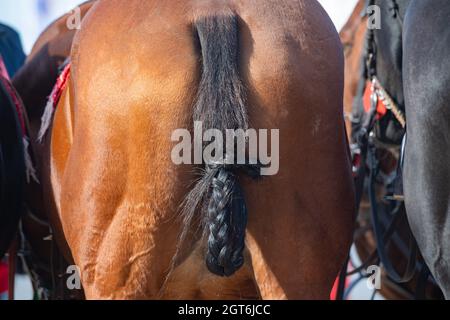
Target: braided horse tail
(220,105)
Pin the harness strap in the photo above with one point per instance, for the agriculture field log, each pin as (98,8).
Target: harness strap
(377,102)
(342,281)
(422,283)
(388,102)
(366,154)
(3,70)
(12,252)
(12,268)
(53,100)
(6,81)
(30,170)
(381,243)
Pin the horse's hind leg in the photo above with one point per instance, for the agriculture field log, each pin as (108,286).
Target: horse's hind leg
(301,219)
(427,160)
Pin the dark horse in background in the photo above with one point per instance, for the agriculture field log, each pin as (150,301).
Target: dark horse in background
(426,76)
(410,62)
(34,82)
(354,39)
(11,49)
(12,162)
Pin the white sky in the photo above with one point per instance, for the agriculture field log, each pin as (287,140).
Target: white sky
(23,15)
(339,10)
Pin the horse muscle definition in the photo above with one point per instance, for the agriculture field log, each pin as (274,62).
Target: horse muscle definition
(216,217)
(117,194)
(427,152)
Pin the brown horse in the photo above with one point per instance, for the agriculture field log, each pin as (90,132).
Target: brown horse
(36,78)
(353,36)
(34,82)
(138,68)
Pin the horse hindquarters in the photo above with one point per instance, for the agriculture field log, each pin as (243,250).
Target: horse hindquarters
(120,192)
(301,219)
(427,159)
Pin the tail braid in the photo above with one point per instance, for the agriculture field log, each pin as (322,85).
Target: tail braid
(227,220)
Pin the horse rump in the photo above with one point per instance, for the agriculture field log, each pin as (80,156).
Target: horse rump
(12,170)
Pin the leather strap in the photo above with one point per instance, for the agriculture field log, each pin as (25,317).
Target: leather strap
(12,267)
(380,239)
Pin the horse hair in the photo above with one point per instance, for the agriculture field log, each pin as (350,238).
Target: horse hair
(12,169)
(220,104)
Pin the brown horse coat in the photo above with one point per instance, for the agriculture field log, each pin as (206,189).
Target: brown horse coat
(135,75)
(352,37)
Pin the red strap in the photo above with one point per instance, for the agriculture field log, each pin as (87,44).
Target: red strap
(3,70)
(5,79)
(17,103)
(60,85)
(367,101)
(3,277)
(12,268)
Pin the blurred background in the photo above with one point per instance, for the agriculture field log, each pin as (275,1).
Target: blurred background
(31,17)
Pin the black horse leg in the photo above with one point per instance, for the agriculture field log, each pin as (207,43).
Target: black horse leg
(427,160)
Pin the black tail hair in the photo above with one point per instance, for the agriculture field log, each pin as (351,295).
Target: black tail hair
(220,105)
